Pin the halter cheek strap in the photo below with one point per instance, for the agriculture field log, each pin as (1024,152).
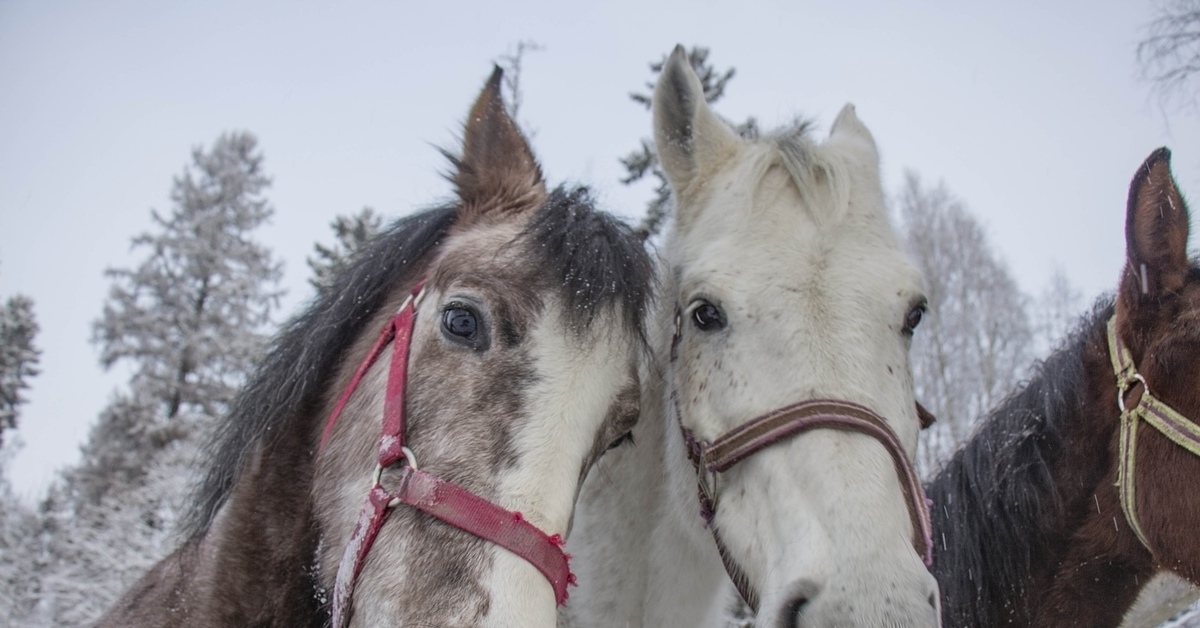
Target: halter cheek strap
(1154,412)
(424,491)
(734,446)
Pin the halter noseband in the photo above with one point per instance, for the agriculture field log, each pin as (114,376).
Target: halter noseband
(424,491)
(739,443)
(1160,416)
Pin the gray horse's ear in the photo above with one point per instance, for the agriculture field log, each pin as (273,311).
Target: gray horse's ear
(1156,233)
(497,172)
(691,139)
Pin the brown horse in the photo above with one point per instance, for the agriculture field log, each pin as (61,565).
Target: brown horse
(1071,497)
(522,355)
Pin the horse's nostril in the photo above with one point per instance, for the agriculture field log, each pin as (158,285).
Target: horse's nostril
(802,591)
(790,617)
(795,607)
(933,600)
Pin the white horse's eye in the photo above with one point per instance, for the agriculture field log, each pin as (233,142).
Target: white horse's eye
(627,437)
(913,319)
(707,317)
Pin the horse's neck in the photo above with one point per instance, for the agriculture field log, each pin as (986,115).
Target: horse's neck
(1008,504)
(610,535)
(252,567)
(257,559)
(640,550)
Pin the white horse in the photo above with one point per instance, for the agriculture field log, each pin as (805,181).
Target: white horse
(783,281)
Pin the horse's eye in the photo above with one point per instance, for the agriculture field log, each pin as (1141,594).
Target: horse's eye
(460,322)
(707,317)
(627,437)
(913,319)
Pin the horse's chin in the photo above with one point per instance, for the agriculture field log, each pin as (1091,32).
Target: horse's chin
(803,603)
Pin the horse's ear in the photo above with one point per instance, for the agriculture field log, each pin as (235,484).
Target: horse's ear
(848,128)
(1156,234)
(497,171)
(690,138)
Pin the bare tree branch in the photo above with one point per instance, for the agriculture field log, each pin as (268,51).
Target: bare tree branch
(1169,55)
(512,62)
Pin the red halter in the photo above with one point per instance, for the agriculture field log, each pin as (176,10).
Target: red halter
(426,492)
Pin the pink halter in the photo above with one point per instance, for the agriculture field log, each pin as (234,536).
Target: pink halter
(426,492)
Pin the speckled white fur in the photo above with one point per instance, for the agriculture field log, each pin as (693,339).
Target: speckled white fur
(795,247)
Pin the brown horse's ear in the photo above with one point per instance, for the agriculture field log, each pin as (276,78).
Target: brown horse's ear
(497,173)
(1156,233)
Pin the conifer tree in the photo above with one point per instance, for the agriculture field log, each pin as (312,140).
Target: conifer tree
(189,319)
(351,233)
(18,358)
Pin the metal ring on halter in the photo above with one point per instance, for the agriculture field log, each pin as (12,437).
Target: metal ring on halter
(1121,391)
(377,476)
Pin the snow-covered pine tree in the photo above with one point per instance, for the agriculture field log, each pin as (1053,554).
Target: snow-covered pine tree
(18,357)
(351,232)
(644,161)
(189,320)
(189,317)
(19,557)
(18,523)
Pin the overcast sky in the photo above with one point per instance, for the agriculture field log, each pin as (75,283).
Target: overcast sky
(1030,111)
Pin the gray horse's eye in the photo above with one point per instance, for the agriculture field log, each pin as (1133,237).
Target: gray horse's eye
(460,322)
(707,317)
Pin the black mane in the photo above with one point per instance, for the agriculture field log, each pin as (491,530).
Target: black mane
(595,260)
(286,389)
(994,499)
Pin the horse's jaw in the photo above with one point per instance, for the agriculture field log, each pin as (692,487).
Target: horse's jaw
(806,551)
(791,543)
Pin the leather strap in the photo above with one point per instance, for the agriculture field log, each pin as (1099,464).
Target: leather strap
(1150,409)
(759,433)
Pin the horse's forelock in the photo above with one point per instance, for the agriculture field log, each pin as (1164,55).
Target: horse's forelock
(597,262)
(820,173)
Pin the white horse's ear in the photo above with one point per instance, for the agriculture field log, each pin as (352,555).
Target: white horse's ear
(690,138)
(847,127)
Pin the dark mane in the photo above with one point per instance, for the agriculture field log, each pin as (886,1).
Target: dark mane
(595,261)
(600,262)
(287,387)
(996,495)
